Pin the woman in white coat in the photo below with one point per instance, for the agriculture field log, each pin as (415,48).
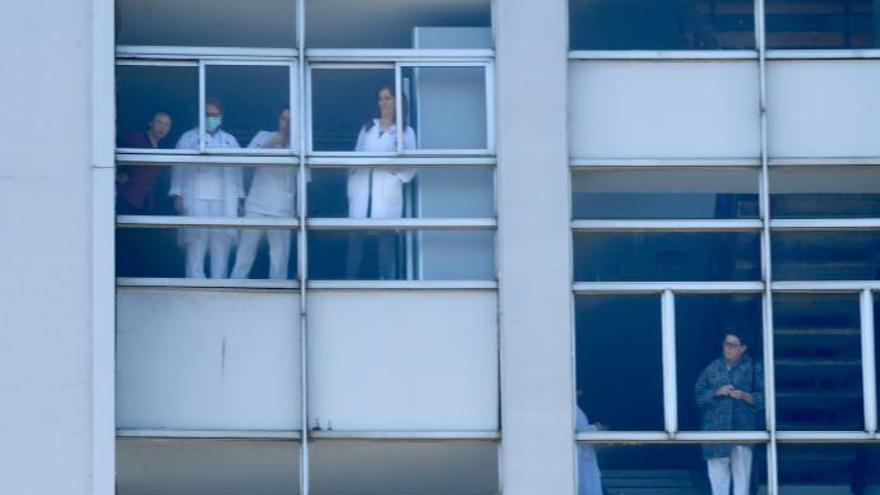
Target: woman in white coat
(377,192)
(272,195)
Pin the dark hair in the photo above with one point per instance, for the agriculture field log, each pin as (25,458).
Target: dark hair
(214,101)
(741,335)
(369,123)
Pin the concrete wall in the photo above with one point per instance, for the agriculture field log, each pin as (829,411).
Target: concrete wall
(45,217)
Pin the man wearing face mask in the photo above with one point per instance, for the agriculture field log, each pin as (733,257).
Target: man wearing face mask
(204,191)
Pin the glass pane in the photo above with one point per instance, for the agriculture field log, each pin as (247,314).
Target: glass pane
(402,255)
(828,469)
(620,385)
(853,255)
(446,106)
(395,24)
(255,104)
(346,467)
(671,469)
(662,256)
(706,329)
(416,193)
(198,252)
(155,105)
(661,24)
(346,107)
(671,194)
(253,24)
(877,346)
(825,24)
(206,467)
(825,192)
(818,362)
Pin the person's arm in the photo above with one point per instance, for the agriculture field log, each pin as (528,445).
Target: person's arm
(704,392)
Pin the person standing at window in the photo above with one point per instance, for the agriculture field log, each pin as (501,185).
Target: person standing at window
(377,192)
(730,394)
(207,192)
(589,475)
(272,195)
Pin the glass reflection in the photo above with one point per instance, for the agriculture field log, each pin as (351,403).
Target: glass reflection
(393,254)
(198,252)
(661,24)
(431,193)
(660,256)
(829,469)
(832,255)
(144,93)
(825,192)
(826,24)
(817,343)
(620,384)
(702,326)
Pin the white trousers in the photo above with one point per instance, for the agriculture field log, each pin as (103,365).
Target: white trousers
(199,242)
(738,466)
(279,250)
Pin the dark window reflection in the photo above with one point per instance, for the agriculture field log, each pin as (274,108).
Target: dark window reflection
(825,24)
(847,468)
(701,325)
(145,92)
(826,192)
(619,361)
(661,24)
(837,255)
(818,362)
(402,255)
(877,345)
(681,256)
(197,252)
(383,24)
(343,103)
(649,194)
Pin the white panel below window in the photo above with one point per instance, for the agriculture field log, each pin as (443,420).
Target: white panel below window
(663,109)
(392,360)
(202,359)
(823,108)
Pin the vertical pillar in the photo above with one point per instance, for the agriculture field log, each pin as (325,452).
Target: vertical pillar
(534,248)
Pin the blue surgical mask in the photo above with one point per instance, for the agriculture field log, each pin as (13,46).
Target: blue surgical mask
(213,123)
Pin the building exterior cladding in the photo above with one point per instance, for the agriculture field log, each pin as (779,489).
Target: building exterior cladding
(585,201)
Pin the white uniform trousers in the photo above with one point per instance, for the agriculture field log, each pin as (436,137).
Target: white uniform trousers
(279,250)
(738,465)
(215,242)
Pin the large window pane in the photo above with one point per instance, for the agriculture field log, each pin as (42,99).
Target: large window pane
(669,469)
(703,323)
(402,255)
(661,24)
(226,23)
(825,192)
(837,255)
(877,345)
(655,256)
(414,468)
(818,362)
(619,361)
(155,104)
(678,193)
(447,106)
(254,100)
(825,24)
(828,469)
(201,252)
(421,192)
(206,467)
(395,24)
(345,102)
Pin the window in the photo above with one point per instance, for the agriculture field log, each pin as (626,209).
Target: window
(827,24)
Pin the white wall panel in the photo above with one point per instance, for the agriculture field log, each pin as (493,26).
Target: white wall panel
(411,468)
(207,467)
(818,108)
(207,360)
(669,109)
(425,360)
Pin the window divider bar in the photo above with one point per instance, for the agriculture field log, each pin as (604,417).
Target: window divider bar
(869,380)
(851,286)
(824,54)
(826,224)
(407,161)
(670,384)
(825,162)
(680,437)
(202,106)
(184,159)
(588,163)
(187,221)
(660,287)
(449,55)
(206,283)
(147,52)
(404,435)
(823,436)
(676,55)
(722,225)
(409,285)
(210,434)
(400,223)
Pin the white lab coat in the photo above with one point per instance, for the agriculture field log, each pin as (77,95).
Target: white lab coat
(273,190)
(207,192)
(589,476)
(386,193)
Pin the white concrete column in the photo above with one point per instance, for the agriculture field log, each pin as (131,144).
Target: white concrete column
(534,244)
